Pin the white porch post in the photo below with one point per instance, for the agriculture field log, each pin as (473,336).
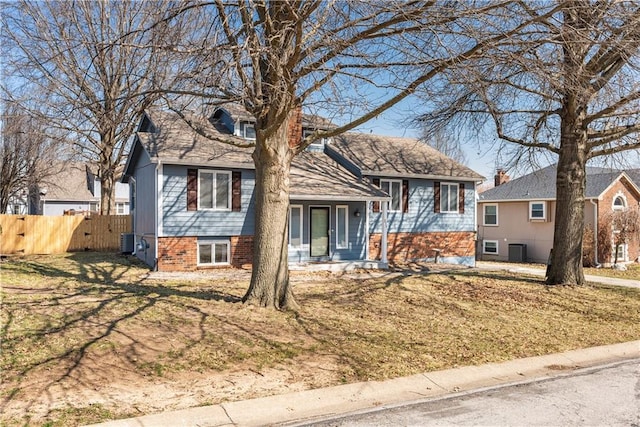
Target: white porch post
(383,244)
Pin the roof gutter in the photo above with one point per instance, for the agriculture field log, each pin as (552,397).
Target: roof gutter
(339,198)
(421,176)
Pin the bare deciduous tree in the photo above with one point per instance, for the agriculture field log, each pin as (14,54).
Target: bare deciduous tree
(446,143)
(350,59)
(88,66)
(27,156)
(566,84)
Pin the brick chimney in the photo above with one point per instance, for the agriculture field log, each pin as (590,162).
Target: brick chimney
(501,177)
(295,127)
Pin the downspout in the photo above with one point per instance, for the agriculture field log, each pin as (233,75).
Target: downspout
(383,245)
(475,222)
(595,231)
(157,189)
(133,215)
(367,205)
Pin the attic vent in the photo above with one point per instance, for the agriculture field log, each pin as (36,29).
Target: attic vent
(126,243)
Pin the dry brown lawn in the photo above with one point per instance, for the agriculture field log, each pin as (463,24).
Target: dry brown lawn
(88,337)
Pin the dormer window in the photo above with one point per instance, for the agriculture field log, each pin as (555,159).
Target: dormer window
(619,203)
(249,131)
(315,145)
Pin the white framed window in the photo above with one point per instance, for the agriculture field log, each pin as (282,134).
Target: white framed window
(490,247)
(121,208)
(449,197)
(490,215)
(537,210)
(249,131)
(394,188)
(94,206)
(619,203)
(342,227)
(316,142)
(214,190)
(295,226)
(214,252)
(620,253)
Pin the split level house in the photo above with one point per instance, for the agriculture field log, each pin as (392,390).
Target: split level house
(516,218)
(356,198)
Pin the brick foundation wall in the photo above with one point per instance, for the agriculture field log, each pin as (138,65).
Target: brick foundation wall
(177,253)
(241,251)
(415,246)
(180,253)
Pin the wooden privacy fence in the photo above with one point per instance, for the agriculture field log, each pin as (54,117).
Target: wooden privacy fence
(36,234)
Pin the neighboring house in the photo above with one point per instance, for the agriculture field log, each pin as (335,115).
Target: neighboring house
(18,204)
(516,218)
(350,198)
(75,189)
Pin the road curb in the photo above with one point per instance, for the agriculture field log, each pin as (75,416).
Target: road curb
(309,405)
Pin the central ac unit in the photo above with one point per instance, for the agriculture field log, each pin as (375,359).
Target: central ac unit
(126,243)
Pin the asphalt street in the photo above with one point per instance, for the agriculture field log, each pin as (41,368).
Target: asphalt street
(599,396)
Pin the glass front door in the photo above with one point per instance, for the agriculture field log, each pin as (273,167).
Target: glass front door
(319,231)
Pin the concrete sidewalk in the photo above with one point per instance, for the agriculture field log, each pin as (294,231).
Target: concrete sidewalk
(308,405)
(540,271)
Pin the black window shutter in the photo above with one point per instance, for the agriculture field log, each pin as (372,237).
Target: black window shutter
(376,205)
(236,192)
(192,189)
(405,195)
(461,198)
(436,196)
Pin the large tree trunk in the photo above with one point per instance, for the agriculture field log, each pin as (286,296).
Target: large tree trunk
(566,260)
(269,285)
(107,188)
(571,177)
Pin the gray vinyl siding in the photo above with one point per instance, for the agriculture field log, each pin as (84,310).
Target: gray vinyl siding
(227,122)
(329,151)
(178,221)
(356,233)
(144,222)
(421,216)
(57,208)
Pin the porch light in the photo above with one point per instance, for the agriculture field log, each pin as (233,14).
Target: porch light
(356,213)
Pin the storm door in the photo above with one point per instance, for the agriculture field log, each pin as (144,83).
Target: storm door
(319,231)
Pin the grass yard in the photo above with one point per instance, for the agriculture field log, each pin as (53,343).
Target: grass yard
(88,337)
(632,272)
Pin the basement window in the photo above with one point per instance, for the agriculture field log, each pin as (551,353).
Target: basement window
(214,252)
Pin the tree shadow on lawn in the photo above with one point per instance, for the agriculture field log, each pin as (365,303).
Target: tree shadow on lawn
(79,318)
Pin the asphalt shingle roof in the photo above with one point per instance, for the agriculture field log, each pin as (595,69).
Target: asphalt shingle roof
(541,184)
(400,157)
(313,175)
(69,184)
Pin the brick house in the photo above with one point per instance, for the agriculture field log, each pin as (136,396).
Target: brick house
(356,198)
(516,217)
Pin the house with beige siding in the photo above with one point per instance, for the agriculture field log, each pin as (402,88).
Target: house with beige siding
(516,217)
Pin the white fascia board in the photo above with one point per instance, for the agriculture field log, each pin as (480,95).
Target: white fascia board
(341,198)
(420,176)
(529,199)
(219,165)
